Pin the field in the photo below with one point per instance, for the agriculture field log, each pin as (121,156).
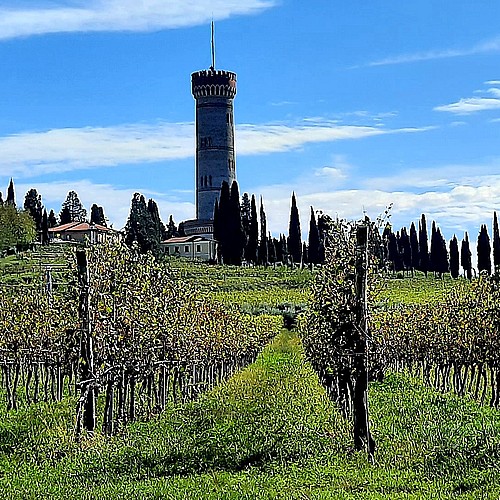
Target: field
(269,431)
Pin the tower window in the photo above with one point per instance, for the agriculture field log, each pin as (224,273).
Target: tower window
(210,180)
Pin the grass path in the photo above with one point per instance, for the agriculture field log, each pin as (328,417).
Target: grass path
(269,432)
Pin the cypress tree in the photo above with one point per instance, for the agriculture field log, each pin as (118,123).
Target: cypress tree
(434,250)
(223,223)
(172,228)
(496,243)
(414,247)
(253,234)
(45,228)
(284,249)
(157,229)
(279,249)
(313,247)
(263,256)
(271,249)
(305,253)
(236,235)
(442,265)
(97,215)
(393,255)
(405,249)
(423,246)
(294,235)
(246,215)
(52,220)
(33,205)
(11,197)
(454,258)
(466,257)
(483,250)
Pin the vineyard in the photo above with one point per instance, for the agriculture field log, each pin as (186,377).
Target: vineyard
(125,327)
(123,375)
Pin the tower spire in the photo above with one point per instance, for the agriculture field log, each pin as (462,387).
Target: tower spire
(213,46)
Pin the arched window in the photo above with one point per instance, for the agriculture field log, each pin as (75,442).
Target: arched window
(210,180)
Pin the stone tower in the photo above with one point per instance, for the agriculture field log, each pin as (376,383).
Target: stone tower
(214,91)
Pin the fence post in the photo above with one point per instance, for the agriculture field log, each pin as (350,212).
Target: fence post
(86,409)
(362,436)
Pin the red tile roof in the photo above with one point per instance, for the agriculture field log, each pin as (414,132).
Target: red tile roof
(78,226)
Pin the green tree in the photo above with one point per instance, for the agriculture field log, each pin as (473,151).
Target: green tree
(454,258)
(253,234)
(33,205)
(17,229)
(496,243)
(72,209)
(159,233)
(294,234)
(246,215)
(97,215)
(423,246)
(466,257)
(171,228)
(483,250)
(140,226)
(414,247)
(263,255)
(223,223)
(52,220)
(236,235)
(45,228)
(313,247)
(405,249)
(11,196)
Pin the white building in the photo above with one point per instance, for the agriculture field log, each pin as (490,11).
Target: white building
(191,247)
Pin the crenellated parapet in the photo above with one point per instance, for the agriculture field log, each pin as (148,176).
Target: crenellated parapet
(216,83)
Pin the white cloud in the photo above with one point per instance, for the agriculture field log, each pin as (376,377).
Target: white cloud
(60,150)
(470,105)
(118,15)
(492,45)
(455,199)
(115,200)
(262,139)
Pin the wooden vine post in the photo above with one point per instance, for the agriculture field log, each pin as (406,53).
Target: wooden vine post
(362,436)
(86,409)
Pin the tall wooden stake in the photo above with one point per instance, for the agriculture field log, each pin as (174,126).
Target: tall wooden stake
(86,410)
(362,436)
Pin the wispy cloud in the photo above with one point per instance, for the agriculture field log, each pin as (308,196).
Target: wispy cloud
(62,150)
(470,105)
(118,15)
(491,45)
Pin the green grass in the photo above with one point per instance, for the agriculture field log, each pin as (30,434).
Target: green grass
(414,290)
(269,432)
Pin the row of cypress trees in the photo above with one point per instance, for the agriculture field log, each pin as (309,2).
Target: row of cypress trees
(409,252)
(236,228)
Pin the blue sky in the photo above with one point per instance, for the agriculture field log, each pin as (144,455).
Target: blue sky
(352,105)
